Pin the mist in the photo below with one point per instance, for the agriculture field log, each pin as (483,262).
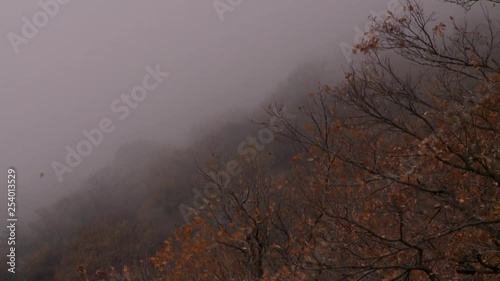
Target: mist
(93,90)
(66,77)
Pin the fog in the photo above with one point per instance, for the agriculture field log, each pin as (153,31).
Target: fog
(65,79)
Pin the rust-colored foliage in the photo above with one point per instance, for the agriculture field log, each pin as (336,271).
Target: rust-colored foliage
(398,177)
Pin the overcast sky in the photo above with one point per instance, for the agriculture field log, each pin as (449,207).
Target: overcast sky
(64,79)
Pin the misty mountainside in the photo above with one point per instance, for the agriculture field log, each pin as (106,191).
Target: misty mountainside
(122,214)
(384,169)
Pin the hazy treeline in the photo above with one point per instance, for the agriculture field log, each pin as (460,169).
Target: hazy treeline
(387,171)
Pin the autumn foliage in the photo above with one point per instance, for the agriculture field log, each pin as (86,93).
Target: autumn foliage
(398,177)
(394,175)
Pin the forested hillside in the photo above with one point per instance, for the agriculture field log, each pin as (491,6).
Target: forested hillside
(390,173)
